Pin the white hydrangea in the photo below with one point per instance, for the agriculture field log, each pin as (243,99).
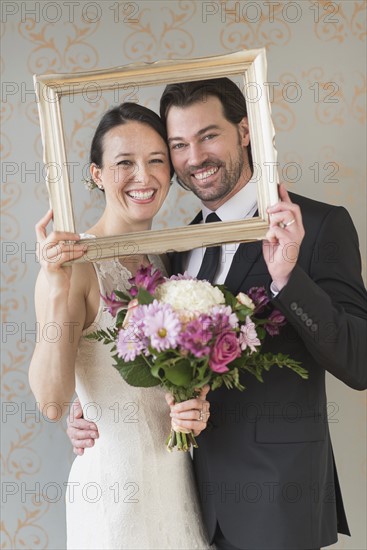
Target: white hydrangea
(190,295)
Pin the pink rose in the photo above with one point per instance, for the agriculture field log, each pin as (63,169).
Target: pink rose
(226,349)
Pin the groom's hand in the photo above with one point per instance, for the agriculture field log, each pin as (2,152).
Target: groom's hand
(283,239)
(81,432)
(192,414)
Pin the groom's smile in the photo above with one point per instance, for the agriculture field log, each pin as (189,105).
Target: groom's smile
(208,152)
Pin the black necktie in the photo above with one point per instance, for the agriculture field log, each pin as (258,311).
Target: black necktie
(211,257)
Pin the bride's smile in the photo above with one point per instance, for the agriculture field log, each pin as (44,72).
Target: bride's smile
(135,176)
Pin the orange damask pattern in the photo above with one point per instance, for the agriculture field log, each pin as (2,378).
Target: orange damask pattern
(27,532)
(168,39)
(68,51)
(339,20)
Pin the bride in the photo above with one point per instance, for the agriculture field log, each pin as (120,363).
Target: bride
(127,491)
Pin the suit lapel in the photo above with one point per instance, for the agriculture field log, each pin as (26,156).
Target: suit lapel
(244,260)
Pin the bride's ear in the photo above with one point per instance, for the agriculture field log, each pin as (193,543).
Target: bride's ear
(96,173)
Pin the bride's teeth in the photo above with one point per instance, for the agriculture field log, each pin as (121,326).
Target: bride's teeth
(203,175)
(142,195)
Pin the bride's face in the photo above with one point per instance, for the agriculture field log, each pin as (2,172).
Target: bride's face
(135,173)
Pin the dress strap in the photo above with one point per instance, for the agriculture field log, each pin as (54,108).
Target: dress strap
(111,274)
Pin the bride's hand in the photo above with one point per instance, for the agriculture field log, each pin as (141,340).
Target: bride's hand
(53,252)
(192,414)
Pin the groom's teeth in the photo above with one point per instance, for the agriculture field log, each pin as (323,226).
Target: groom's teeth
(206,174)
(141,195)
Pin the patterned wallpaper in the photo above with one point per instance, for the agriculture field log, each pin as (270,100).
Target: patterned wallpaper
(317,83)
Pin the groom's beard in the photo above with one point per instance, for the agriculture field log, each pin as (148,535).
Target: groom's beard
(229,177)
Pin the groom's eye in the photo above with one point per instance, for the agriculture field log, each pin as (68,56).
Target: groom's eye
(209,136)
(178,146)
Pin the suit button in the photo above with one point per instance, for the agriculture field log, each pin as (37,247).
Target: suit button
(309,322)
(299,311)
(304,316)
(294,306)
(314,327)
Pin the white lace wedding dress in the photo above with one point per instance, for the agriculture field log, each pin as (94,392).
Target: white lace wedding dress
(127,491)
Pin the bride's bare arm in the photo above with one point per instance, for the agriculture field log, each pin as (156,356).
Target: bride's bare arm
(60,299)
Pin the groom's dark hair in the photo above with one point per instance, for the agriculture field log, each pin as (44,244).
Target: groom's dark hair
(184,94)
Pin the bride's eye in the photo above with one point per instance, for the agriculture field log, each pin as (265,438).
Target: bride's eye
(125,163)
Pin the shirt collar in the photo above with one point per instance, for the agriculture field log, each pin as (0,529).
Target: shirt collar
(242,205)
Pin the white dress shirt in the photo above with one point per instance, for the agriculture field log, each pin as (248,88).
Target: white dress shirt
(239,207)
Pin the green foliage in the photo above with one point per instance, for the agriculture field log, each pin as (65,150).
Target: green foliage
(122,296)
(106,336)
(230,300)
(180,373)
(144,297)
(136,373)
(120,317)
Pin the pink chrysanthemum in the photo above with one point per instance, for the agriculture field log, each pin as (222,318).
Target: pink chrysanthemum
(161,325)
(130,342)
(248,336)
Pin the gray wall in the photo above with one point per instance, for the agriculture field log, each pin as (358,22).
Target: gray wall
(316,57)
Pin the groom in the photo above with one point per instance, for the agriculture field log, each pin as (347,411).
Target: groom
(265,467)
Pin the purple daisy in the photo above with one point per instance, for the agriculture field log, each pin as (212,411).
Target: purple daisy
(161,325)
(130,342)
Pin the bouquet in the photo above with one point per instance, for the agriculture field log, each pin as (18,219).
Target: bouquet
(184,333)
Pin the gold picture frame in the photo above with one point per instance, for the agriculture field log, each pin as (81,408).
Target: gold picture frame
(249,64)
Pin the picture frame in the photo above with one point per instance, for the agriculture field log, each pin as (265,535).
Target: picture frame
(250,65)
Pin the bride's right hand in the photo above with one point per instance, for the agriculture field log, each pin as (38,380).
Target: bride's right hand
(53,252)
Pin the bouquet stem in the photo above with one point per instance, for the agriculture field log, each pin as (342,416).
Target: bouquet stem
(183,441)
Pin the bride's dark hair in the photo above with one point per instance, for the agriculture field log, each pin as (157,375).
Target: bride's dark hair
(126,112)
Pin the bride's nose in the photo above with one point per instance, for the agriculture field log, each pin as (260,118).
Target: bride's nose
(141,174)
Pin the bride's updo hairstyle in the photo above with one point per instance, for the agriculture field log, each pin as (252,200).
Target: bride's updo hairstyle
(126,112)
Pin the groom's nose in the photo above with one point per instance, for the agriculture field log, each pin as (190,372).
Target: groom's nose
(197,155)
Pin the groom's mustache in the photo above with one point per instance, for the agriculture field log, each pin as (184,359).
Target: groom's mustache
(207,164)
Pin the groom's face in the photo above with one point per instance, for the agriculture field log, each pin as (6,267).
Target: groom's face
(208,152)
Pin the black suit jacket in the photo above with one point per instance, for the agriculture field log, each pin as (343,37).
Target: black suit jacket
(265,467)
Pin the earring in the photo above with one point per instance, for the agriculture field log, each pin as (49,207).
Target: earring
(101,187)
